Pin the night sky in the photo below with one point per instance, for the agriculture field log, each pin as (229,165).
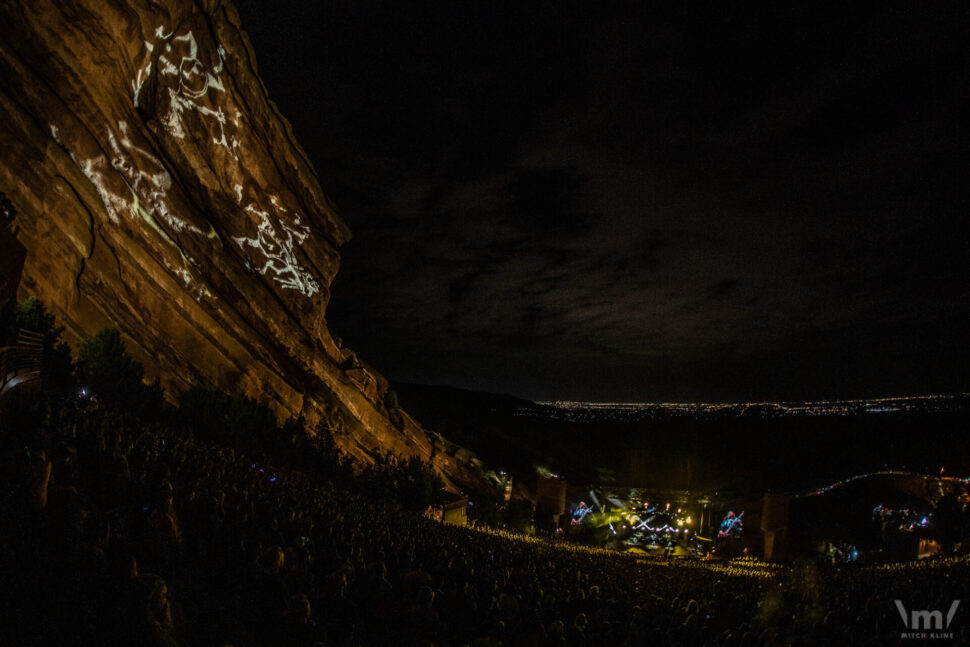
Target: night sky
(610,201)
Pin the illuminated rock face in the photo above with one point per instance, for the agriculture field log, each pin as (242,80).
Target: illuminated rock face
(160,191)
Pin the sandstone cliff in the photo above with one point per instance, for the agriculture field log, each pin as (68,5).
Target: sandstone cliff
(160,191)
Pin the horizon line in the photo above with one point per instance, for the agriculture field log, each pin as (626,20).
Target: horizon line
(752,403)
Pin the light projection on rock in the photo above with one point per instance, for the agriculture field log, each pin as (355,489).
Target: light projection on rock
(143,174)
(187,83)
(147,182)
(134,166)
(94,169)
(276,243)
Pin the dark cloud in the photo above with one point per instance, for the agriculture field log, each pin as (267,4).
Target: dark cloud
(722,289)
(563,199)
(542,201)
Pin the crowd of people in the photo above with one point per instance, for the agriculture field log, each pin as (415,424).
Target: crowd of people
(125,533)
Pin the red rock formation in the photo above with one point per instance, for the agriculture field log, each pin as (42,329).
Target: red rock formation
(12,255)
(161,191)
